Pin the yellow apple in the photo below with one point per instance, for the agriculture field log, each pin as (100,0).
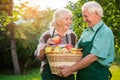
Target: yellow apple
(48,49)
(76,51)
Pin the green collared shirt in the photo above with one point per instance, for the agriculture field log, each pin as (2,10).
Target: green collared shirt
(103,44)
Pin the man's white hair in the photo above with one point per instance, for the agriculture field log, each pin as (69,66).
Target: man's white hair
(93,6)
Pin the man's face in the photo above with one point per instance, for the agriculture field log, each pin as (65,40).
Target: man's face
(90,18)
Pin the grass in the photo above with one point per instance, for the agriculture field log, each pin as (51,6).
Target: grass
(115,70)
(34,74)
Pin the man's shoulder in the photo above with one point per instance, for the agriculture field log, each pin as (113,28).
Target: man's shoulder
(107,29)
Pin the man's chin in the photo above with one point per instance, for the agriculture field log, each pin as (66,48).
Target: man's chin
(67,27)
(89,25)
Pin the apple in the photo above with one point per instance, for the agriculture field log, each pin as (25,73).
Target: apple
(75,51)
(64,50)
(68,46)
(56,39)
(57,49)
(48,49)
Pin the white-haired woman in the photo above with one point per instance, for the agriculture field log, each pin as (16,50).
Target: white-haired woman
(59,25)
(97,42)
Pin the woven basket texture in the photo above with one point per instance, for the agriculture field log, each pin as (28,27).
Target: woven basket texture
(56,60)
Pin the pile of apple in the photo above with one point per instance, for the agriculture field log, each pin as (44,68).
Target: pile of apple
(68,48)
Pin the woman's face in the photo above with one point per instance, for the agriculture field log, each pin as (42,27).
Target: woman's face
(91,19)
(65,22)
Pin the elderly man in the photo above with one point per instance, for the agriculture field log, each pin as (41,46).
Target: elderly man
(97,42)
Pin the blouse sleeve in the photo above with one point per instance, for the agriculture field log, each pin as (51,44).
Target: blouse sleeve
(41,45)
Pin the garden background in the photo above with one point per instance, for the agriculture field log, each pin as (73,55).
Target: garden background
(22,25)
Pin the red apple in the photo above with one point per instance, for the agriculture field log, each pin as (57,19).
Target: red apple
(56,39)
(68,46)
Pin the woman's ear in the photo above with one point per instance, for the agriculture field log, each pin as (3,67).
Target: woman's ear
(58,21)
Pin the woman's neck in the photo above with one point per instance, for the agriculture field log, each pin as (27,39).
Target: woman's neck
(61,31)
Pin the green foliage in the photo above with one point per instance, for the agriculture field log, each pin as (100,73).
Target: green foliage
(78,23)
(4,18)
(6,14)
(28,33)
(111,18)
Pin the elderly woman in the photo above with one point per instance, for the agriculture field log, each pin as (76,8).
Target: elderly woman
(60,25)
(97,42)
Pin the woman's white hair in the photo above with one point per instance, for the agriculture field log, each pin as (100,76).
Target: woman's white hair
(58,15)
(93,6)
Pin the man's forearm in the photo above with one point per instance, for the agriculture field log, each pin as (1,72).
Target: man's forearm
(86,61)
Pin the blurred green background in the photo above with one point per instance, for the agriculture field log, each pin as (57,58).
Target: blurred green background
(21,26)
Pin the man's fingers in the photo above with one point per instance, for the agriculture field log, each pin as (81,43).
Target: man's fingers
(59,73)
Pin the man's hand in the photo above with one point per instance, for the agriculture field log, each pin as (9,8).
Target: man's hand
(65,71)
(86,61)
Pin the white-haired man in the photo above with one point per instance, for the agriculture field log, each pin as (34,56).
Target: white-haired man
(97,42)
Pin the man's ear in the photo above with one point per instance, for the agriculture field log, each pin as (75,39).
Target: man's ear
(96,13)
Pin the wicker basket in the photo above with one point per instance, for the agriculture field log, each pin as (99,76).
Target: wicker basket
(56,60)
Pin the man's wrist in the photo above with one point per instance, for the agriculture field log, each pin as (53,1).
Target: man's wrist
(73,69)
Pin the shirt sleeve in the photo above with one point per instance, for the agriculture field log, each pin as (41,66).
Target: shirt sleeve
(40,46)
(102,43)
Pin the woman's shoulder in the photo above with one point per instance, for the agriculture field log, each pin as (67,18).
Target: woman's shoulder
(72,32)
(45,33)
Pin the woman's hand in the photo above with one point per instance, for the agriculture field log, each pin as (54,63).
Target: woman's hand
(50,41)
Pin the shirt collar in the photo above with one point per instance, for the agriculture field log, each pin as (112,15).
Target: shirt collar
(95,27)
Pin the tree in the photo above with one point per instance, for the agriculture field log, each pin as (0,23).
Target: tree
(28,33)
(78,23)
(25,34)
(7,7)
(112,19)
